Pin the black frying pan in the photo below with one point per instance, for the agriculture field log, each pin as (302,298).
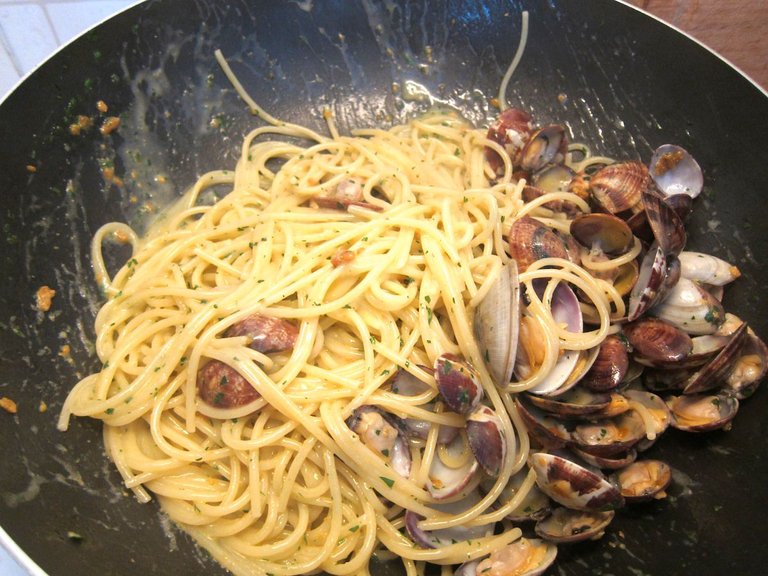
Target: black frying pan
(623,83)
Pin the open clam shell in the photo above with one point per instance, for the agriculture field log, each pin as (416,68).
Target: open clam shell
(749,369)
(406,384)
(452,469)
(612,462)
(643,480)
(574,485)
(714,372)
(447,536)
(566,526)
(701,412)
(496,325)
(547,145)
(675,171)
(575,403)
(523,557)
(553,178)
(655,414)
(548,431)
(565,311)
(611,435)
(384,434)
(602,233)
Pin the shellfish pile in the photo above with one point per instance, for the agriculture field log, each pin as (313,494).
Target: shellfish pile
(672,357)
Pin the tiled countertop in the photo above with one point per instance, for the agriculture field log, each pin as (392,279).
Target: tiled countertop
(30,30)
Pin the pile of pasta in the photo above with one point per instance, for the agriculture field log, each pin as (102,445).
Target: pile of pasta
(376,287)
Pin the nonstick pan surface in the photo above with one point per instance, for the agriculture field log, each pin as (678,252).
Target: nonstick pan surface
(622,82)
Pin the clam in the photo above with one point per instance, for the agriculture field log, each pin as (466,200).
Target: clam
(612,462)
(618,187)
(572,484)
(524,557)
(665,379)
(453,467)
(566,526)
(406,384)
(707,269)
(715,371)
(224,392)
(618,405)
(496,325)
(486,439)
(610,366)
(565,311)
(626,278)
(348,192)
(265,334)
(534,505)
(644,480)
(701,412)
(705,347)
(655,340)
(611,435)
(602,233)
(675,171)
(548,431)
(553,178)
(576,402)
(650,283)
(447,536)
(691,308)
(384,434)
(468,568)
(530,240)
(547,145)
(458,383)
(668,228)
(654,412)
(682,204)
(749,369)
(511,130)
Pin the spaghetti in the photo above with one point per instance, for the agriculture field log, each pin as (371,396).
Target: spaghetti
(374,287)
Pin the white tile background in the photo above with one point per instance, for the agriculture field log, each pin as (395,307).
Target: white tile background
(30,30)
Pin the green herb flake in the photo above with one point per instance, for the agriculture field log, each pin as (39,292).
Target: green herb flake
(388,481)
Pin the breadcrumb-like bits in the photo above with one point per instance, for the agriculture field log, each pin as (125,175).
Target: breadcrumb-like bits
(111,124)
(8,405)
(45,296)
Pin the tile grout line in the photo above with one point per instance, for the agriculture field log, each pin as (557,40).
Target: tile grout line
(6,45)
(50,24)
